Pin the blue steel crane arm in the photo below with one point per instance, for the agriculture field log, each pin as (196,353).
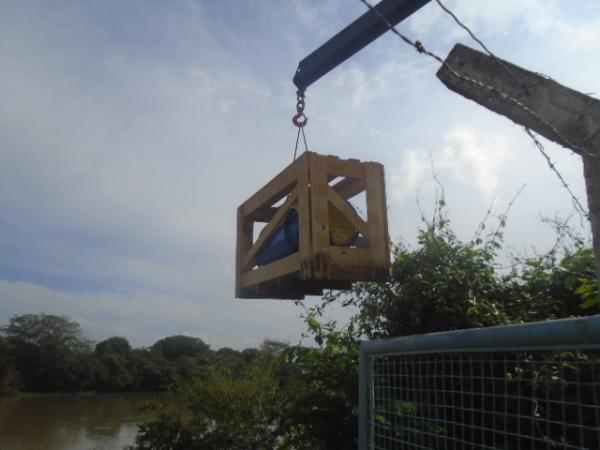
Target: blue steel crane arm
(351,39)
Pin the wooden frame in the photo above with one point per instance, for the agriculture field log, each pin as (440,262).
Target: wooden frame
(308,185)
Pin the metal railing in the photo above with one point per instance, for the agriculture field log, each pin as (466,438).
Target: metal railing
(529,386)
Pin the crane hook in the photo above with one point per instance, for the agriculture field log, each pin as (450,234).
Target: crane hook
(300,118)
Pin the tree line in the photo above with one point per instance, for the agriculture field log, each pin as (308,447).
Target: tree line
(49,353)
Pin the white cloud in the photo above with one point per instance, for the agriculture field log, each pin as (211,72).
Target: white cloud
(411,176)
(354,82)
(541,18)
(582,36)
(215,84)
(396,74)
(473,158)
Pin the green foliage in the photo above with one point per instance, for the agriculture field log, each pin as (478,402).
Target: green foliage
(321,385)
(46,331)
(46,352)
(150,372)
(589,290)
(178,346)
(166,432)
(448,284)
(542,288)
(237,412)
(114,374)
(231,410)
(443,285)
(9,380)
(115,344)
(9,376)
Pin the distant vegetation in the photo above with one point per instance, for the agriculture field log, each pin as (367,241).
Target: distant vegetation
(296,397)
(48,353)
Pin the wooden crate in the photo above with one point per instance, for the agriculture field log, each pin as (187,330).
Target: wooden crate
(310,184)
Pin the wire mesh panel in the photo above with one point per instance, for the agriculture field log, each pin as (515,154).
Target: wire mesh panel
(504,397)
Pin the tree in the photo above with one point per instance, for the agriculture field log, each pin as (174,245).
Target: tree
(115,344)
(150,370)
(47,331)
(448,284)
(543,288)
(114,373)
(444,284)
(174,347)
(233,411)
(9,377)
(237,412)
(47,350)
(320,390)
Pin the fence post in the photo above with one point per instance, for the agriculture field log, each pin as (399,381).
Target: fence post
(363,400)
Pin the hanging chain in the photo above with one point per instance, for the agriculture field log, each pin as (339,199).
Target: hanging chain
(300,120)
(421,49)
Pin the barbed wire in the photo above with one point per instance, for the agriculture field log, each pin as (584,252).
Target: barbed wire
(481,44)
(502,63)
(422,50)
(576,203)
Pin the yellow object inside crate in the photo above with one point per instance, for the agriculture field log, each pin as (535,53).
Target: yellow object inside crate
(341,230)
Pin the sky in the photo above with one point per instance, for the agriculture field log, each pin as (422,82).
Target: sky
(130,132)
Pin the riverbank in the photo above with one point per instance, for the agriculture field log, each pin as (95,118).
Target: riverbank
(25,394)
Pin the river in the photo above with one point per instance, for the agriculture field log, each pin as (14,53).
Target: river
(75,422)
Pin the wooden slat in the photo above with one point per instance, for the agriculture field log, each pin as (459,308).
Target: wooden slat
(348,212)
(286,287)
(341,285)
(319,216)
(263,214)
(377,215)
(302,187)
(273,295)
(386,234)
(349,187)
(283,266)
(352,168)
(243,244)
(294,290)
(275,189)
(268,230)
(272,292)
(349,256)
(359,273)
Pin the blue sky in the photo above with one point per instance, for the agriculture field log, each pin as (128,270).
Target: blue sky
(130,131)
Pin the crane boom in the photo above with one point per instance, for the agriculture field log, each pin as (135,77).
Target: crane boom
(351,39)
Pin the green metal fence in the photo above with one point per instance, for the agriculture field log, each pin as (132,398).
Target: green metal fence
(531,386)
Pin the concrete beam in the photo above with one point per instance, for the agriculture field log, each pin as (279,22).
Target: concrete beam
(557,112)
